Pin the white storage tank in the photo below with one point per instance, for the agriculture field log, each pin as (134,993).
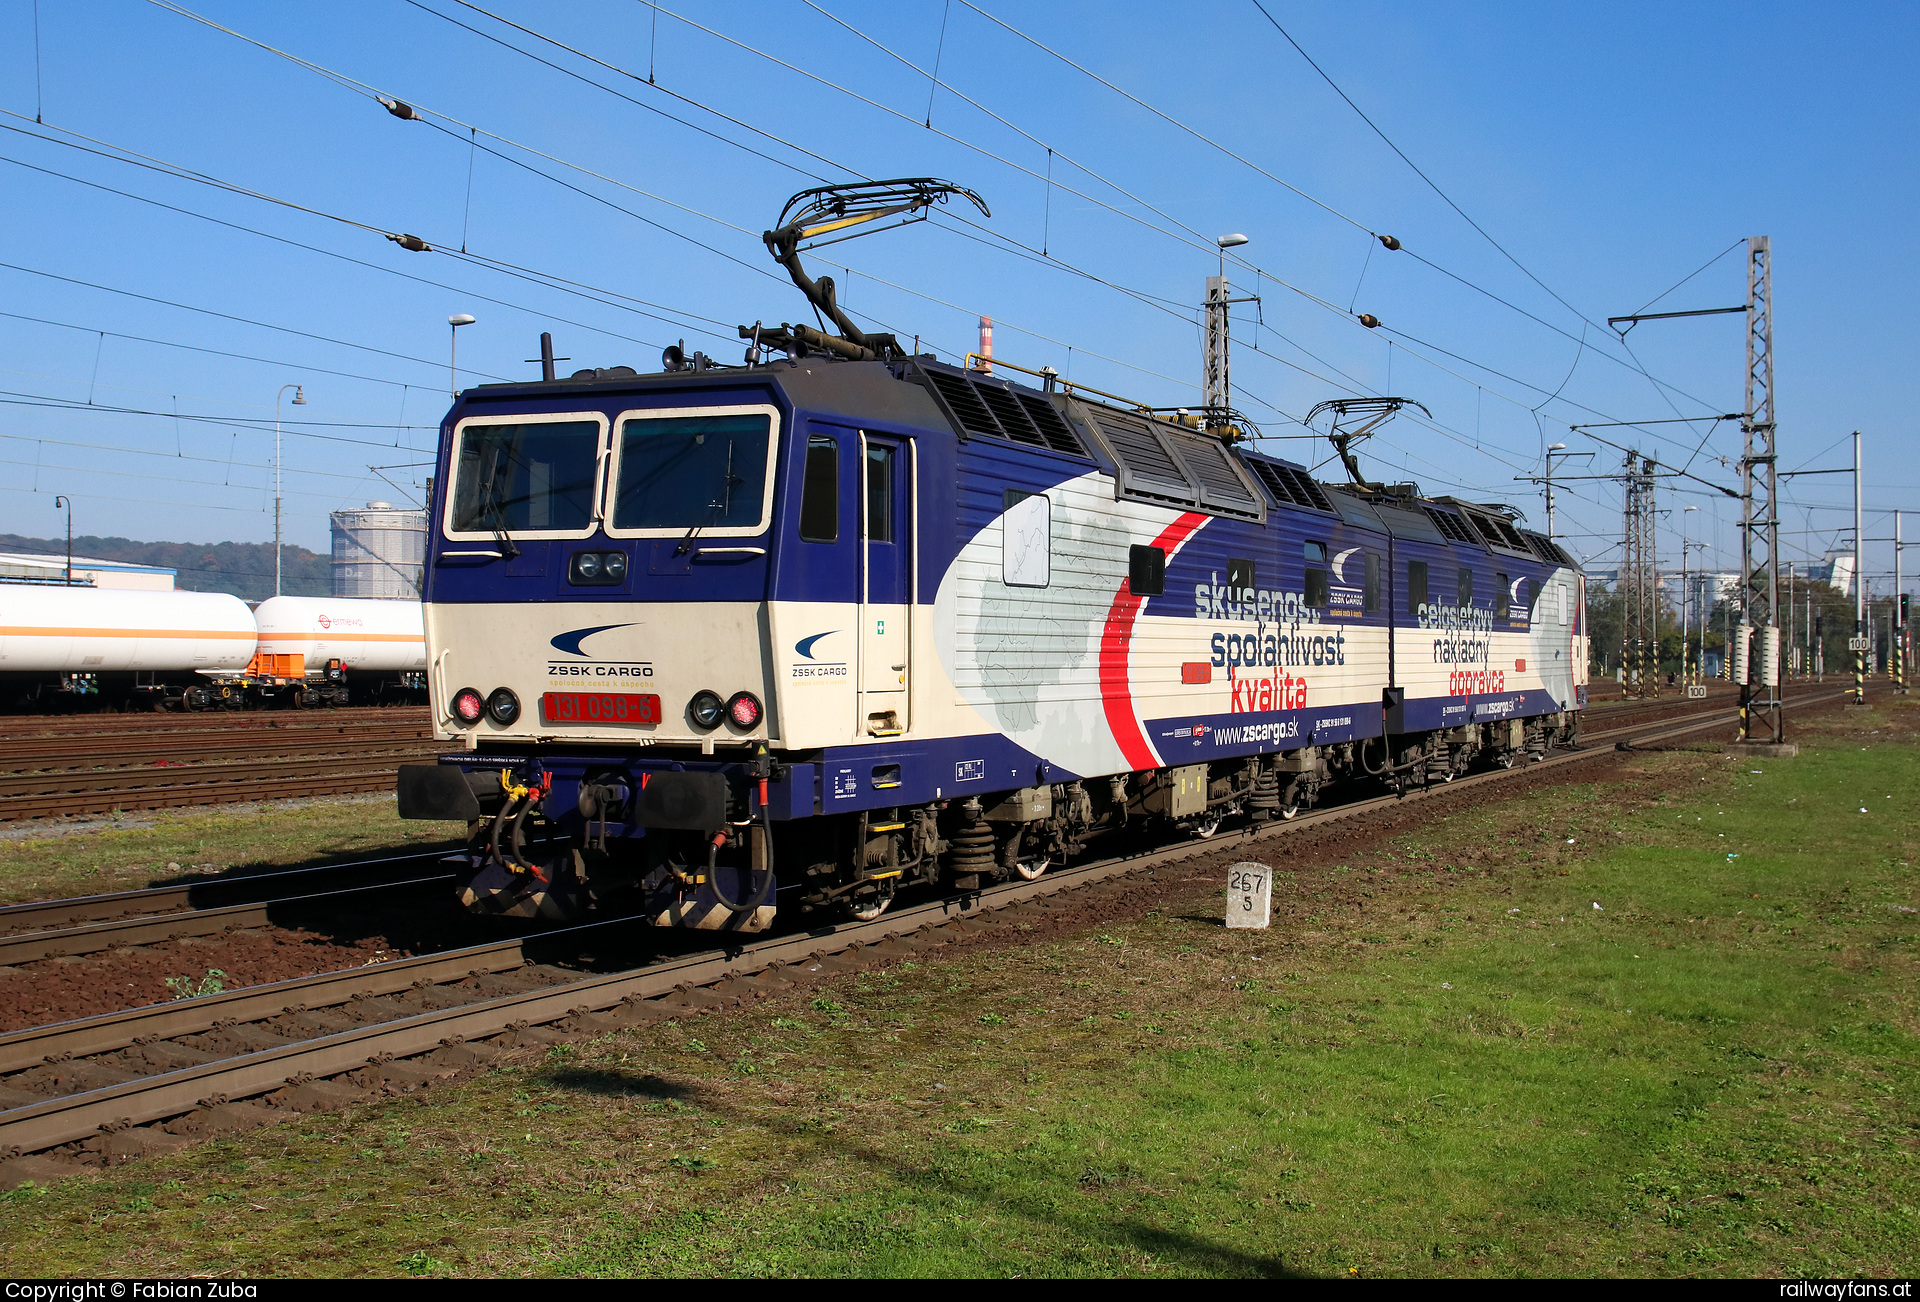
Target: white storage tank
(379,552)
(106,630)
(368,636)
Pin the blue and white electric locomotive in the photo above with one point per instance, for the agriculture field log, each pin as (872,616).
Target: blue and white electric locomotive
(813,629)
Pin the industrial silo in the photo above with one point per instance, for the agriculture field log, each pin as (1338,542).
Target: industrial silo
(379,552)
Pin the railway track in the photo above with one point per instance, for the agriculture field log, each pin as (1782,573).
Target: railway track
(37,755)
(47,776)
(19,726)
(128,1084)
(89,924)
(130,790)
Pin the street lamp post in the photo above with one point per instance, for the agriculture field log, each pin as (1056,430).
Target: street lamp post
(67,502)
(299,400)
(453,349)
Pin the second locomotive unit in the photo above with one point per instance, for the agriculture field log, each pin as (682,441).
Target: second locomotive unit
(805,632)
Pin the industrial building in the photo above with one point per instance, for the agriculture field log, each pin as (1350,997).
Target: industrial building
(379,552)
(30,567)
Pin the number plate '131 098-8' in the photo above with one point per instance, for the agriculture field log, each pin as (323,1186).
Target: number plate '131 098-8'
(600,707)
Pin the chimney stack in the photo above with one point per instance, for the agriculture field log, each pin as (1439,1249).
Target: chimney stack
(986,346)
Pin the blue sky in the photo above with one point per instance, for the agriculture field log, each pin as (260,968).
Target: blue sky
(1610,151)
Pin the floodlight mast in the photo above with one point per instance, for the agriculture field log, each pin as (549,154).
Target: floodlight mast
(836,211)
(1372,413)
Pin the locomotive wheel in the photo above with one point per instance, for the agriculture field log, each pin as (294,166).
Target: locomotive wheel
(865,908)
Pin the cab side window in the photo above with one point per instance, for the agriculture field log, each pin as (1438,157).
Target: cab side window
(1316,583)
(880,493)
(1465,589)
(1500,595)
(1417,595)
(820,490)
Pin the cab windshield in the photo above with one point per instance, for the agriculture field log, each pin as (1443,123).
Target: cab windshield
(686,472)
(532,478)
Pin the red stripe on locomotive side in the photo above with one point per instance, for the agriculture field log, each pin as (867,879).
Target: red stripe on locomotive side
(1116,643)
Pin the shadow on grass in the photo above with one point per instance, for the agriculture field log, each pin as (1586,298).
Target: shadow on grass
(617,1084)
(807,1141)
(379,860)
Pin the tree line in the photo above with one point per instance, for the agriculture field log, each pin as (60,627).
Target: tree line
(244,569)
(1832,613)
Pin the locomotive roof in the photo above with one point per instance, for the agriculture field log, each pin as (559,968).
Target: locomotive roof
(1153,458)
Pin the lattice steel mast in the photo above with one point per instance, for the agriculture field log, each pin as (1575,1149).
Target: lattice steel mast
(1638,584)
(1761,718)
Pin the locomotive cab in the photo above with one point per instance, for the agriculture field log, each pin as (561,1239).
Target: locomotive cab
(657,597)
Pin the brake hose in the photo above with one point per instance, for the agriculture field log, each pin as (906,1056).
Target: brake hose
(766,883)
(499,825)
(1384,769)
(516,842)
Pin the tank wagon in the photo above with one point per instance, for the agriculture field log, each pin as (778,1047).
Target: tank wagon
(65,648)
(340,650)
(62,646)
(808,631)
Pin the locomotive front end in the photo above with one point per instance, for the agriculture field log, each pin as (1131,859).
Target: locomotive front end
(597,633)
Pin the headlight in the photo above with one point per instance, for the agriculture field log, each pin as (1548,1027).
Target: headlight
(706,710)
(743,708)
(467,705)
(503,705)
(597,569)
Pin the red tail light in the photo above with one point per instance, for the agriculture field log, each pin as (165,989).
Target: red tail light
(468,705)
(744,710)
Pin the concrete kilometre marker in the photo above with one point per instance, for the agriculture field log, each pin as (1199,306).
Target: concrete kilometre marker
(1249,895)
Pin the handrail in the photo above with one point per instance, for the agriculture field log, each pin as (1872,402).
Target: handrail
(1055,377)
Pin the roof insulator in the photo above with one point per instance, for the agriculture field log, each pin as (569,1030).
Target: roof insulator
(402,110)
(1387,240)
(414,244)
(1367,319)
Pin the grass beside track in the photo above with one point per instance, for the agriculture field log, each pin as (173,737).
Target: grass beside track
(1443,1059)
(127,853)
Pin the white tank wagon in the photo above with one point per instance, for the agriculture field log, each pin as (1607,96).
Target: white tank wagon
(75,646)
(335,648)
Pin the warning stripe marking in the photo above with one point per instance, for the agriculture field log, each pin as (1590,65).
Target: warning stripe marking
(341,637)
(220,634)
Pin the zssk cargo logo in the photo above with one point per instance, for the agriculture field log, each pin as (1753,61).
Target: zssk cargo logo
(810,669)
(586,666)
